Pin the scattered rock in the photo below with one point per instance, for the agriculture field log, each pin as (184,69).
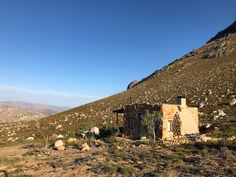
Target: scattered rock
(94,131)
(221,113)
(85,147)
(10,139)
(61,148)
(232,102)
(208,125)
(98,142)
(201,113)
(204,138)
(72,140)
(59,126)
(60,136)
(231,138)
(59,145)
(209,92)
(201,104)
(30,138)
(118,147)
(143,145)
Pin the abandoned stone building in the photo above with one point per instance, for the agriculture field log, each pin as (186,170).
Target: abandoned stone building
(176,119)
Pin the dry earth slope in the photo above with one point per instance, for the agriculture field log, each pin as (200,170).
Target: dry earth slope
(205,76)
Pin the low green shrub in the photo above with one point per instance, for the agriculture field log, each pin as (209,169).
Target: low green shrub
(126,170)
(109,129)
(111,139)
(111,168)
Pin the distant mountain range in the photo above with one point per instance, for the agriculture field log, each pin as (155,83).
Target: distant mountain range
(11,111)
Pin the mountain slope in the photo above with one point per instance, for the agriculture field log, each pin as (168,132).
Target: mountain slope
(205,76)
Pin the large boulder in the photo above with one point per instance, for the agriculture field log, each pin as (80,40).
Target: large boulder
(59,145)
(132,84)
(94,131)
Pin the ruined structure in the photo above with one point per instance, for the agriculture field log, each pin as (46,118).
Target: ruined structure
(177,119)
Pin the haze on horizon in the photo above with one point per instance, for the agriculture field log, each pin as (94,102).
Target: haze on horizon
(68,53)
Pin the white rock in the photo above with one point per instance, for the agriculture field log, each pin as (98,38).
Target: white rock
(201,104)
(232,102)
(208,125)
(10,139)
(231,138)
(60,136)
(94,130)
(205,138)
(30,138)
(58,143)
(83,135)
(221,113)
(59,126)
(201,113)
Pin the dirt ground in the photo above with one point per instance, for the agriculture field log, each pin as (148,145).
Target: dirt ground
(33,160)
(119,158)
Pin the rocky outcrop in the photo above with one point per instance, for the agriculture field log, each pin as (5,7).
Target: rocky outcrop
(229,30)
(132,84)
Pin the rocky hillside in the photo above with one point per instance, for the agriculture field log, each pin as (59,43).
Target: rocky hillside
(22,111)
(205,76)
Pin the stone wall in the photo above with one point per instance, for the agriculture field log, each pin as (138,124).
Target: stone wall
(132,111)
(188,118)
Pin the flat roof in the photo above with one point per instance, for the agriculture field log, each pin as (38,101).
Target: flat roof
(121,110)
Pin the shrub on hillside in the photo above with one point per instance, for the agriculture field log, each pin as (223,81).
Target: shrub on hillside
(109,129)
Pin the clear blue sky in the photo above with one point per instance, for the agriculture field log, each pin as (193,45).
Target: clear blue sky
(73,51)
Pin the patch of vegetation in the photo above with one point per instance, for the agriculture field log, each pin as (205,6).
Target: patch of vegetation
(111,139)
(19,169)
(10,160)
(126,170)
(178,163)
(109,129)
(111,168)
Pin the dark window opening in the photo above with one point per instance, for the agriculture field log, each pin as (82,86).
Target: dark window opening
(130,122)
